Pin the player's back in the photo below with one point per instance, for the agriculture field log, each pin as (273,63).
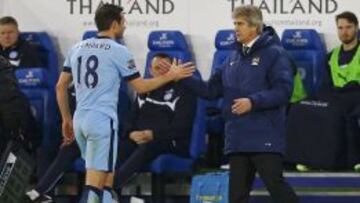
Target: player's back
(97,65)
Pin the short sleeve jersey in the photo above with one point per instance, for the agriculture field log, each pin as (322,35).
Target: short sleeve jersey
(97,66)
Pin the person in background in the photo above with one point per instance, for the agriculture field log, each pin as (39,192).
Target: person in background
(341,83)
(19,52)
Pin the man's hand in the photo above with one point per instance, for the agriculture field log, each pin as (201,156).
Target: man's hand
(66,142)
(147,136)
(135,136)
(141,137)
(68,131)
(241,106)
(163,65)
(179,71)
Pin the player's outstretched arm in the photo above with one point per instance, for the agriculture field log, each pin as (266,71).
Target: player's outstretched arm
(176,72)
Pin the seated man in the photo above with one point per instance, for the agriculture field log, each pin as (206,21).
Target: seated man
(16,119)
(160,122)
(19,52)
(344,68)
(333,123)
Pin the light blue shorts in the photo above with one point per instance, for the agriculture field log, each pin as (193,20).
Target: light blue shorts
(96,135)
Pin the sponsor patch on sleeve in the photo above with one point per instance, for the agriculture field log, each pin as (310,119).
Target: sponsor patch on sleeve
(131,64)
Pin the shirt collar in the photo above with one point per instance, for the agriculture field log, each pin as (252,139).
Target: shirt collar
(102,37)
(252,42)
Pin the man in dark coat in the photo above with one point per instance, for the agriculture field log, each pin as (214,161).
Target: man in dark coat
(19,52)
(256,81)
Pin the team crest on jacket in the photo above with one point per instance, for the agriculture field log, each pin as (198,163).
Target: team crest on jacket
(168,94)
(255,61)
(13,54)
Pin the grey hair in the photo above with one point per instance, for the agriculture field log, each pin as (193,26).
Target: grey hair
(251,14)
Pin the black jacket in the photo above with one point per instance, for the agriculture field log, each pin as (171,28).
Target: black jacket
(8,84)
(22,54)
(168,111)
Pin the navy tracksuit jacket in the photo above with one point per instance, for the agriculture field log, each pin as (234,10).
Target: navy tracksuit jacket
(265,76)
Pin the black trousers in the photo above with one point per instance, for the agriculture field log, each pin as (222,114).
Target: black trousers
(63,161)
(133,157)
(269,166)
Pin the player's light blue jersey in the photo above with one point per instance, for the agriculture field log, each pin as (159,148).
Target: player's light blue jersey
(98,65)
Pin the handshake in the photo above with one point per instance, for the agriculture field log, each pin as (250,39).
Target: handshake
(176,70)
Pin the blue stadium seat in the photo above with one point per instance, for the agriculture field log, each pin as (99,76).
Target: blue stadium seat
(34,84)
(309,54)
(38,84)
(174,44)
(89,34)
(47,51)
(225,43)
(170,163)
